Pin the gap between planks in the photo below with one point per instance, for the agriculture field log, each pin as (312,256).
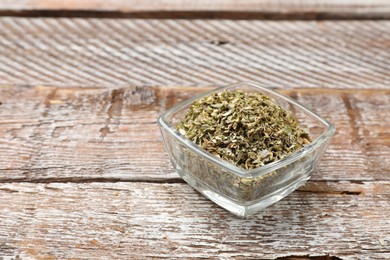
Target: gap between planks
(190,15)
(332,187)
(200,88)
(201,9)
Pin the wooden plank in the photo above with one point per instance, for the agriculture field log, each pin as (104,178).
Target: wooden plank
(85,134)
(146,220)
(283,6)
(121,52)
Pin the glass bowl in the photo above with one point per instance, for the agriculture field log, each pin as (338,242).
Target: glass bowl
(244,192)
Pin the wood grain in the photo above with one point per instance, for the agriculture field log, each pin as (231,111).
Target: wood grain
(79,100)
(121,52)
(85,134)
(144,220)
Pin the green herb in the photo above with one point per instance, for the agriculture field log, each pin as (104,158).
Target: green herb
(247,129)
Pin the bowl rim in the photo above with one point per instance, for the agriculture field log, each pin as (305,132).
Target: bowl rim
(324,137)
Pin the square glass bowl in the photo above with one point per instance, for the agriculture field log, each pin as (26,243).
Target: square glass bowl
(244,192)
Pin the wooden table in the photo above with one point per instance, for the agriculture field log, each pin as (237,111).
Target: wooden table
(83,171)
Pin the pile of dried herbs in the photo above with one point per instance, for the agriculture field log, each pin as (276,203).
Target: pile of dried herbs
(246,129)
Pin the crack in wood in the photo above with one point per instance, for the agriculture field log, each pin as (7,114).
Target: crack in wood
(9,190)
(91,180)
(219,42)
(352,115)
(115,110)
(332,192)
(48,99)
(351,193)
(307,257)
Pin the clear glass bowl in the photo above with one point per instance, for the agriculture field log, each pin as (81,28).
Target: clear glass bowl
(244,192)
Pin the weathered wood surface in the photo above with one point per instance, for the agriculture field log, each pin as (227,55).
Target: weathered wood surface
(79,100)
(367,7)
(146,220)
(50,133)
(121,52)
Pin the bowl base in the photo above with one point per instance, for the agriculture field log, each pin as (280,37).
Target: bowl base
(248,208)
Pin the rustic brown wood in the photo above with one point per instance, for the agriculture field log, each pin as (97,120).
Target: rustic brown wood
(79,100)
(78,134)
(371,8)
(112,52)
(146,220)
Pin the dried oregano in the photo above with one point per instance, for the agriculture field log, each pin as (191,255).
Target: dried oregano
(246,129)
